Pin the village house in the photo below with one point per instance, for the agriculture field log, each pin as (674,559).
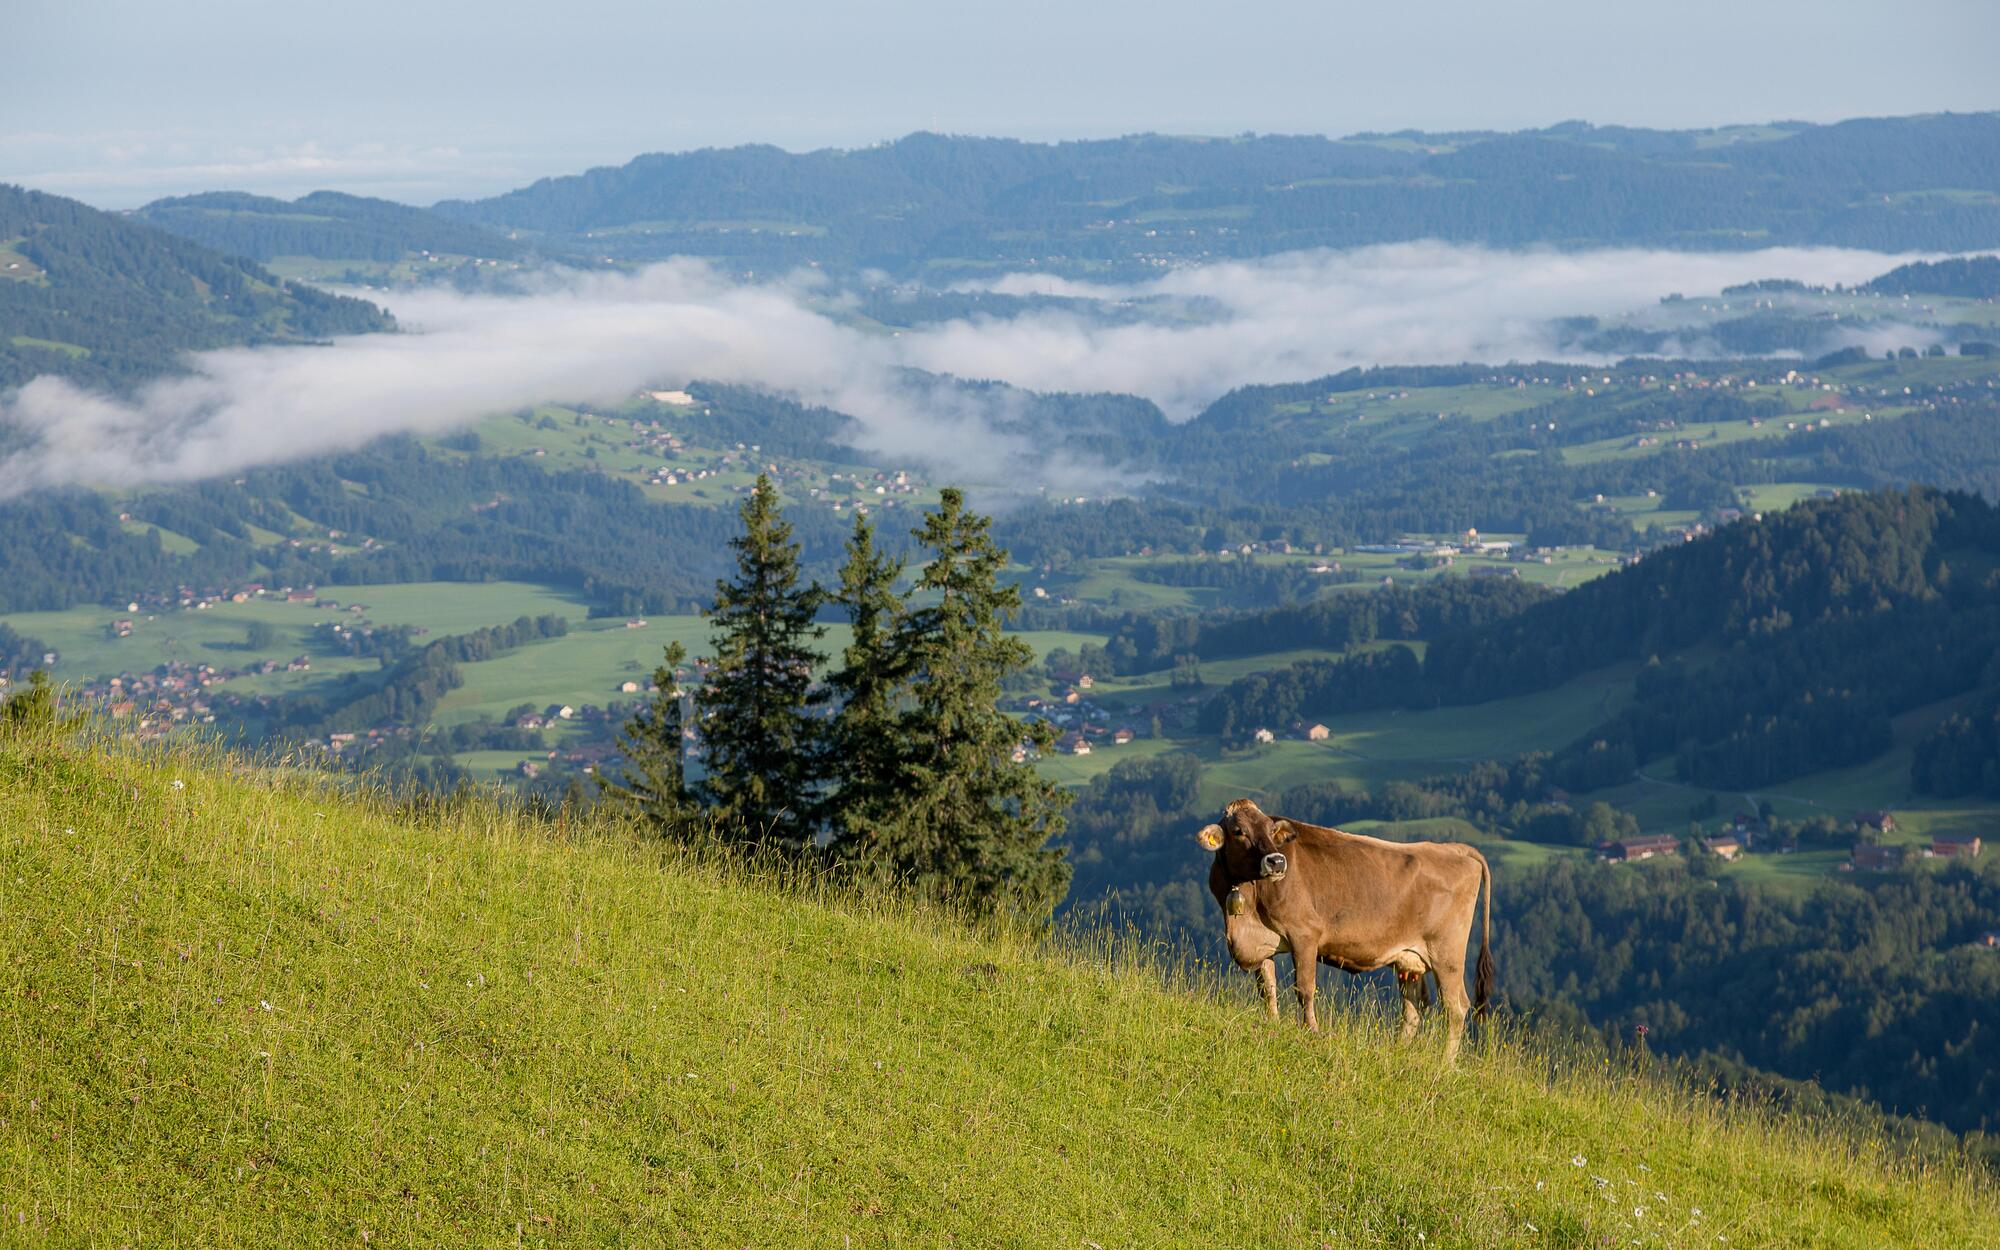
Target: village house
(1122,737)
(1956,848)
(628,687)
(1989,939)
(1879,822)
(1877,858)
(1073,744)
(1317,733)
(1723,846)
(1645,846)
(1264,735)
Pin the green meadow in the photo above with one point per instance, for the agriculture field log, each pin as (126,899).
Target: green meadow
(242,1008)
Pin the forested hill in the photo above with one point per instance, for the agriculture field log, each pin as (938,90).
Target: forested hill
(1771,649)
(1969,277)
(105,300)
(324,224)
(1917,183)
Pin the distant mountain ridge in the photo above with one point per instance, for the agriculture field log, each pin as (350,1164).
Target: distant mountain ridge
(102,299)
(935,204)
(325,224)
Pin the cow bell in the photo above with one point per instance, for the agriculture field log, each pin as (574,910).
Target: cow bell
(1235,903)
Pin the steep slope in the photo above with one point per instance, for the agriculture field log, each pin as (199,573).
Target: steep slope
(325,224)
(241,1011)
(95,297)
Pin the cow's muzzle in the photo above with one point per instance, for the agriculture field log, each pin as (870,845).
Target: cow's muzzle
(1274,866)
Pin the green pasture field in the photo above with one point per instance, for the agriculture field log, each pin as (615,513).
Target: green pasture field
(1720,433)
(171,542)
(73,350)
(588,664)
(215,634)
(264,1010)
(16,267)
(1367,749)
(603,441)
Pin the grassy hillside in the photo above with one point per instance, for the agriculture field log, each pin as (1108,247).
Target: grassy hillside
(247,1010)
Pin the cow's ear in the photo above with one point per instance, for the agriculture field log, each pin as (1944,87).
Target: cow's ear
(1210,837)
(1284,831)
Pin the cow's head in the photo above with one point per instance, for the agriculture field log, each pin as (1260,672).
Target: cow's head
(1249,843)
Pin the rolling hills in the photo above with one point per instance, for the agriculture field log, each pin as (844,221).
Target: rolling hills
(938,205)
(325,224)
(250,1008)
(98,298)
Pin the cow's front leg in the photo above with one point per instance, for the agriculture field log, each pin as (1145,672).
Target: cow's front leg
(1267,985)
(1305,979)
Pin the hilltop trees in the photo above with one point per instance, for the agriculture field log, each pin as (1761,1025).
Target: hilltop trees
(762,741)
(915,779)
(967,821)
(866,748)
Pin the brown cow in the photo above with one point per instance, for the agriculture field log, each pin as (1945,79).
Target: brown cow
(1358,903)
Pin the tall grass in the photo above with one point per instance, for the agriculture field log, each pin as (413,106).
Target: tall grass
(249,1006)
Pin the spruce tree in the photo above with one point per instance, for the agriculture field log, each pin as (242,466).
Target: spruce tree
(969,822)
(865,748)
(761,741)
(653,783)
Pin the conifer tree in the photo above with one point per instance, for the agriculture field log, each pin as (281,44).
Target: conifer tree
(654,780)
(969,822)
(865,748)
(762,744)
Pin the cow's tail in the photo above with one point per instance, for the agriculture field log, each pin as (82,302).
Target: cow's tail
(1482,981)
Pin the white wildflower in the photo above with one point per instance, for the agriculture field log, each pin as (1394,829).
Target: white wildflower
(179,784)
(1578,1160)
(265,1003)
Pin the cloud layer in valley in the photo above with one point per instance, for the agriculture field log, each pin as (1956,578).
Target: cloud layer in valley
(597,338)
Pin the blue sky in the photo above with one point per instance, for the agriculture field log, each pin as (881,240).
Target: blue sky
(119,101)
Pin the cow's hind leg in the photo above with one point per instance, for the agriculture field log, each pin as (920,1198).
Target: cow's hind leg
(1267,985)
(1457,1004)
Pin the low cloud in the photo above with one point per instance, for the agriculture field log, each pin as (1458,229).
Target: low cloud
(597,338)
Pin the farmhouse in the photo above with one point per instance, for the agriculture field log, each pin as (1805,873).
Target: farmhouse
(1265,735)
(1723,846)
(1877,858)
(1645,846)
(1317,733)
(1956,848)
(1880,822)
(1073,744)
(1989,939)
(1122,737)
(628,687)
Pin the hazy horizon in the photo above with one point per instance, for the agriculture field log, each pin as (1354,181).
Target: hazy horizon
(125,102)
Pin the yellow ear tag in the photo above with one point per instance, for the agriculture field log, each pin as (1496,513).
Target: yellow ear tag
(1234,905)
(1210,838)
